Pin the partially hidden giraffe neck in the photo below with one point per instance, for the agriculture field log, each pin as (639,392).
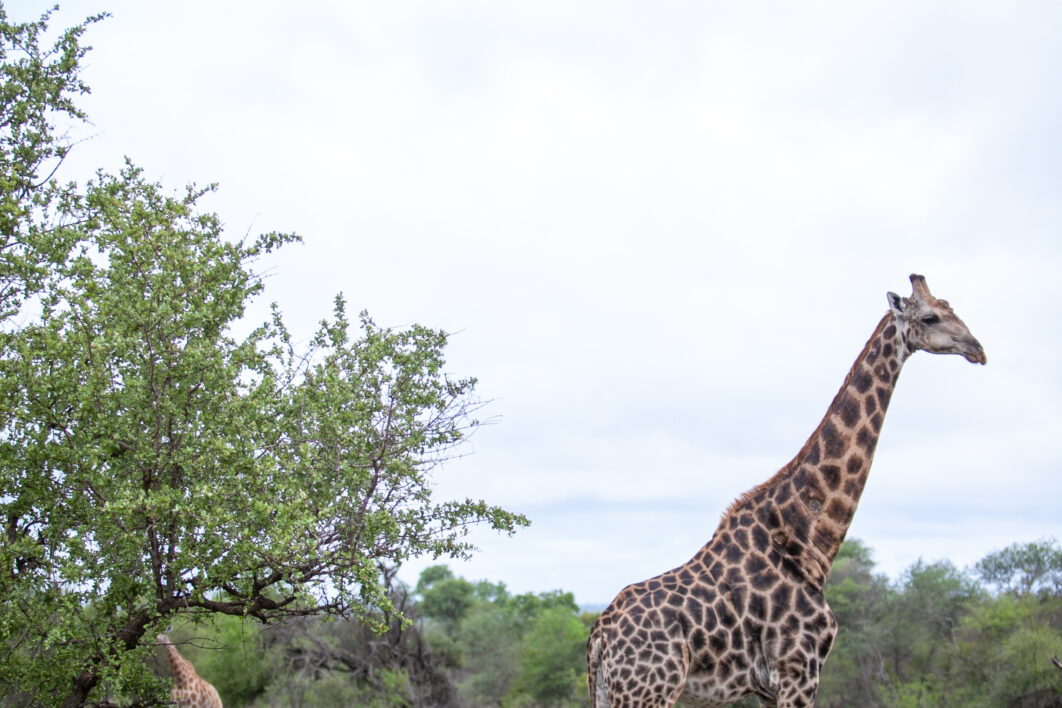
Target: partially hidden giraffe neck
(189,689)
(809,503)
(183,671)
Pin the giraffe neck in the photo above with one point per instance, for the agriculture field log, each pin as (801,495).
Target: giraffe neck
(183,671)
(807,507)
(827,476)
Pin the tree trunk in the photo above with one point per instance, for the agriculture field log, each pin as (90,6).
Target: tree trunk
(82,686)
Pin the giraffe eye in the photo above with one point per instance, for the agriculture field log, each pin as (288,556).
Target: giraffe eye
(930,319)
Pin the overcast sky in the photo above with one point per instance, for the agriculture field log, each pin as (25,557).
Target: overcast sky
(660,233)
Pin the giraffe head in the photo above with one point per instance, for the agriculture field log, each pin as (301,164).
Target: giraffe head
(930,324)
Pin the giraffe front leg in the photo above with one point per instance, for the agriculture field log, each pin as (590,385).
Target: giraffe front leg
(794,680)
(661,683)
(666,692)
(799,675)
(794,696)
(798,685)
(799,697)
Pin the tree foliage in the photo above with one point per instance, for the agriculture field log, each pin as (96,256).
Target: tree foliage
(937,638)
(39,85)
(153,461)
(504,649)
(444,597)
(321,663)
(554,651)
(1024,568)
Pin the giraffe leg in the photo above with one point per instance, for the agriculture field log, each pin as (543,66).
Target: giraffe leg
(658,683)
(799,692)
(652,695)
(799,673)
(795,682)
(804,699)
(682,652)
(673,674)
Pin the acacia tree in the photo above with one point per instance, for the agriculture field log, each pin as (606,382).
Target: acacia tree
(152,462)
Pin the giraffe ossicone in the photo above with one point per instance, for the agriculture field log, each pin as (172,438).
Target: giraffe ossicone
(746,615)
(190,690)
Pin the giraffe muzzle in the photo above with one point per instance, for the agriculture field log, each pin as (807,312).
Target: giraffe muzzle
(974,353)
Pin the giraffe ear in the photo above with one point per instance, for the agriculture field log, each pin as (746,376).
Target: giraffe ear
(896,303)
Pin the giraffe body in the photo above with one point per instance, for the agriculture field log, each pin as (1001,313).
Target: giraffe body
(746,615)
(189,690)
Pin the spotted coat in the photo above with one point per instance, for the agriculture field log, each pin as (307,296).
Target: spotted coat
(746,615)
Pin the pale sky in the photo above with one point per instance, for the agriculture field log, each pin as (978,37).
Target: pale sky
(660,233)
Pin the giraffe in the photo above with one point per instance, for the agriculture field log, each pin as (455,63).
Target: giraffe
(190,690)
(746,615)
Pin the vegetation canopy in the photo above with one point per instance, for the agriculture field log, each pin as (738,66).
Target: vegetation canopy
(154,462)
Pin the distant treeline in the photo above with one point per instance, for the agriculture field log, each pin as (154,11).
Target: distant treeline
(939,636)
(936,636)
